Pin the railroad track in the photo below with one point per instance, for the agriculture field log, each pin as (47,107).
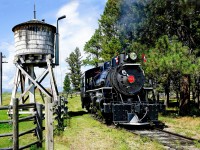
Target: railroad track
(171,141)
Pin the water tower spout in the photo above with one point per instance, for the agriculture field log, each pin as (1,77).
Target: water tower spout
(57,42)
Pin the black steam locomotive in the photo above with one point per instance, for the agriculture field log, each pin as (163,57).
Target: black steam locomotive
(116,92)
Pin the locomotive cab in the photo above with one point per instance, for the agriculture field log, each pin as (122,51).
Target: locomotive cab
(100,79)
(87,84)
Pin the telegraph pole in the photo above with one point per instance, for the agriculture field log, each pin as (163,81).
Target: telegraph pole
(0,78)
(1,62)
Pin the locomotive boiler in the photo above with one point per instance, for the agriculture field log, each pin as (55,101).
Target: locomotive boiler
(115,91)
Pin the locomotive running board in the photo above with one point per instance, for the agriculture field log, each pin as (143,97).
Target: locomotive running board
(131,64)
(103,88)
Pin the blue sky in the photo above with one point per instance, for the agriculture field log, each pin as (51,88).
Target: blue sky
(80,23)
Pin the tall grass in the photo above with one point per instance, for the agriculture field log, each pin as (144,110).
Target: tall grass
(188,126)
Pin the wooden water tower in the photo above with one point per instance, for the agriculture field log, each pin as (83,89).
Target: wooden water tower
(34,48)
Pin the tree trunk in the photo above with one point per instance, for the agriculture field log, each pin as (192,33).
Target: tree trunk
(177,97)
(167,90)
(184,95)
(167,100)
(198,103)
(158,97)
(198,90)
(193,94)
(67,94)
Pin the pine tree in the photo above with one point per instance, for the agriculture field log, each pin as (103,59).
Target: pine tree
(74,61)
(111,44)
(66,84)
(130,22)
(93,49)
(169,61)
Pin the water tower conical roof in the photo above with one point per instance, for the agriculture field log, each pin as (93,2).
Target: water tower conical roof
(33,22)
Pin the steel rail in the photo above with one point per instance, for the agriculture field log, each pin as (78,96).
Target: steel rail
(166,138)
(179,135)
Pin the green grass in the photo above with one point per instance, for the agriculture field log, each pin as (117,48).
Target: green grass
(197,144)
(188,126)
(6,98)
(84,132)
(23,126)
(3,115)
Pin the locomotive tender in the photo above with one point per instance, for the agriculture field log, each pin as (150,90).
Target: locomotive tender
(116,92)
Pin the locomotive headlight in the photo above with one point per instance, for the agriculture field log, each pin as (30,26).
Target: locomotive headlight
(133,56)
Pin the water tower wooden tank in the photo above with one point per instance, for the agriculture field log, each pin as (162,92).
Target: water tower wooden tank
(34,39)
(34,47)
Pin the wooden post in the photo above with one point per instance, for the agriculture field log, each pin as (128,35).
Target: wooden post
(52,80)
(49,124)
(59,112)
(15,124)
(60,119)
(0,78)
(39,124)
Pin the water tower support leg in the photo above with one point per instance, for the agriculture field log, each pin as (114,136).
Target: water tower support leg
(53,81)
(14,91)
(22,81)
(32,89)
(39,79)
(34,82)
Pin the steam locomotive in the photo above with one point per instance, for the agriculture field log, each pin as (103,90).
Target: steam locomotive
(115,91)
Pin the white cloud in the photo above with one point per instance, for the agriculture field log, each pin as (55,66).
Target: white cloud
(70,10)
(8,68)
(75,31)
